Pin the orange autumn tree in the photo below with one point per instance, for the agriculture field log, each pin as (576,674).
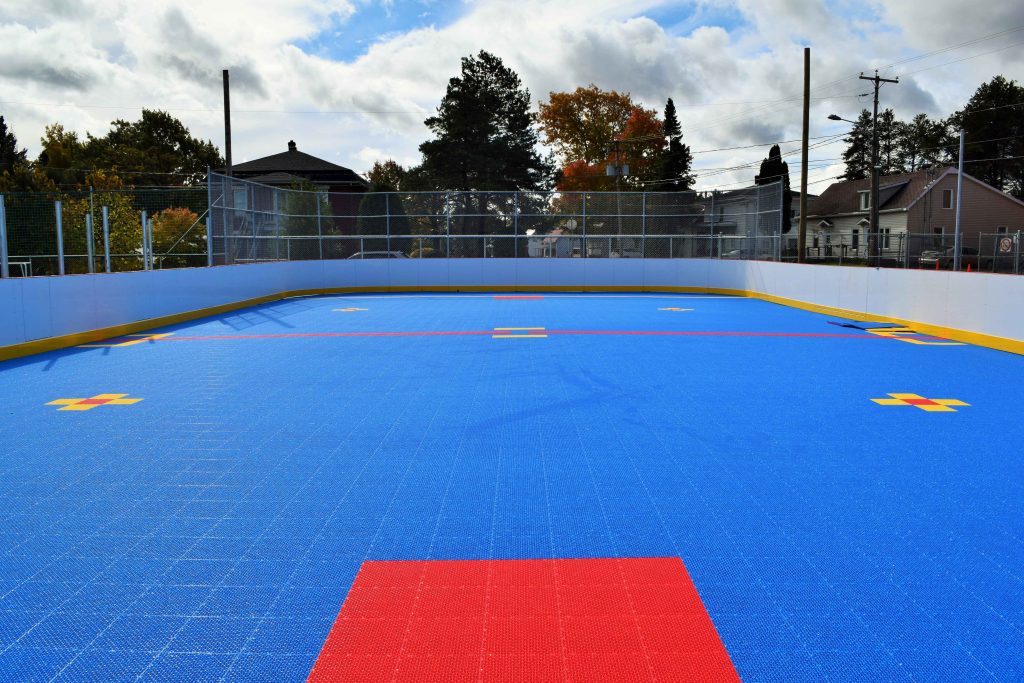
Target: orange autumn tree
(580,126)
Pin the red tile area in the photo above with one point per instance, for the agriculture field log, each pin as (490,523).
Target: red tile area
(617,619)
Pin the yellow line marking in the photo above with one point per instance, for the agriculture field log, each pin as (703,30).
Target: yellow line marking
(349,310)
(142,338)
(519,336)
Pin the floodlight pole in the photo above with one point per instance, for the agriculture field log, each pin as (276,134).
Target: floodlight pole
(875,170)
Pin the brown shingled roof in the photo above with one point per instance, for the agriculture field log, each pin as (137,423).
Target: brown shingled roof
(895,192)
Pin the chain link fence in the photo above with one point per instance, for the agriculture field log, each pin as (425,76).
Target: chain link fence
(250,222)
(988,252)
(84,231)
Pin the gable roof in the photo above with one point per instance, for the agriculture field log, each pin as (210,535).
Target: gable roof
(298,164)
(895,192)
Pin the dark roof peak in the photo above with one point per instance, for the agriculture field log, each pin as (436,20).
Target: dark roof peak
(292,147)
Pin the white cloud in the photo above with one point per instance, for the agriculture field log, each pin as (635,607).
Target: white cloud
(164,54)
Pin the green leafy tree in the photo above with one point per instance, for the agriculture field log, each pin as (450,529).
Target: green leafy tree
(994,122)
(857,155)
(386,176)
(485,136)
(124,222)
(306,209)
(16,173)
(381,212)
(179,238)
(676,161)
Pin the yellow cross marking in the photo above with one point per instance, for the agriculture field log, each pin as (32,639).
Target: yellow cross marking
(534,330)
(94,401)
(675,309)
(141,338)
(899,333)
(931,405)
(349,310)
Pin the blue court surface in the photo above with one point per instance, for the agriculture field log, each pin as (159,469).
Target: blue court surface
(212,530)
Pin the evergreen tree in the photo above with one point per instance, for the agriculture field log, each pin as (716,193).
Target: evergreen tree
(857,156)
(890,135)
(10,155)
(773,170)
(485,136)
(994,122)
(677,159)
(922,143)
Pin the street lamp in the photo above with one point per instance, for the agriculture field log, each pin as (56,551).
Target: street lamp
(833,117)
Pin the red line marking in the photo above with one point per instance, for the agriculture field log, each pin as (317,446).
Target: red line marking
(511,296)
(612,619)
(655,333)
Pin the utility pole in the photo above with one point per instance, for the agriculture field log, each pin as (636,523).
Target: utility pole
(801,240)
(227,123)
(875,170)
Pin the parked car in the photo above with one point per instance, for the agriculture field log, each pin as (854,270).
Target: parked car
(378,254)
(969,256)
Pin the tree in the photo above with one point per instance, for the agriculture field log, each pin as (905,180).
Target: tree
(386,176)
(179,238)
(677,159)
(579,125)
(890,135)
(922,143)
(10,155)
(994,122)
(857,156)
(63,158)
(774,170)
(124,223)
(484,133)
(158,148)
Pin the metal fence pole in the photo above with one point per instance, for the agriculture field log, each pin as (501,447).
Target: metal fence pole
(209,241)
(447,228)
(643,225)
(4,272)
(319,228)
(515,227)
(387,219)
(60,237)
(585,225)
(145,246)
(89,249)
(106,238)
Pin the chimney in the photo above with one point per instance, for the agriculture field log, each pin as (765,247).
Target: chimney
(291,146)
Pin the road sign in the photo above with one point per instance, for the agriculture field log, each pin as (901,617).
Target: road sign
(1005,245)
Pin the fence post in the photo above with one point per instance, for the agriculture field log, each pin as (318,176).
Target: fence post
(89,249)
(319,229)
(145,246)
(447,228)
(60,237)
(106,238)
(387,220)
(4,272)
(209,241)
(643,225)
(515,227)
(1016,259)
(585,254)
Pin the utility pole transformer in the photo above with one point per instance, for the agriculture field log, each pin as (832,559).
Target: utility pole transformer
(875,170)
(801,240)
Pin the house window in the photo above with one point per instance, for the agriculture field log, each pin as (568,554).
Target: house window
(856,240)
(947,199)
(239,197)
(884,238)
(865,200)
(1001,230)
(815,241)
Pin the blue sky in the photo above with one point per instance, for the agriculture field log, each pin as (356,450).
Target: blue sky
(733,67)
